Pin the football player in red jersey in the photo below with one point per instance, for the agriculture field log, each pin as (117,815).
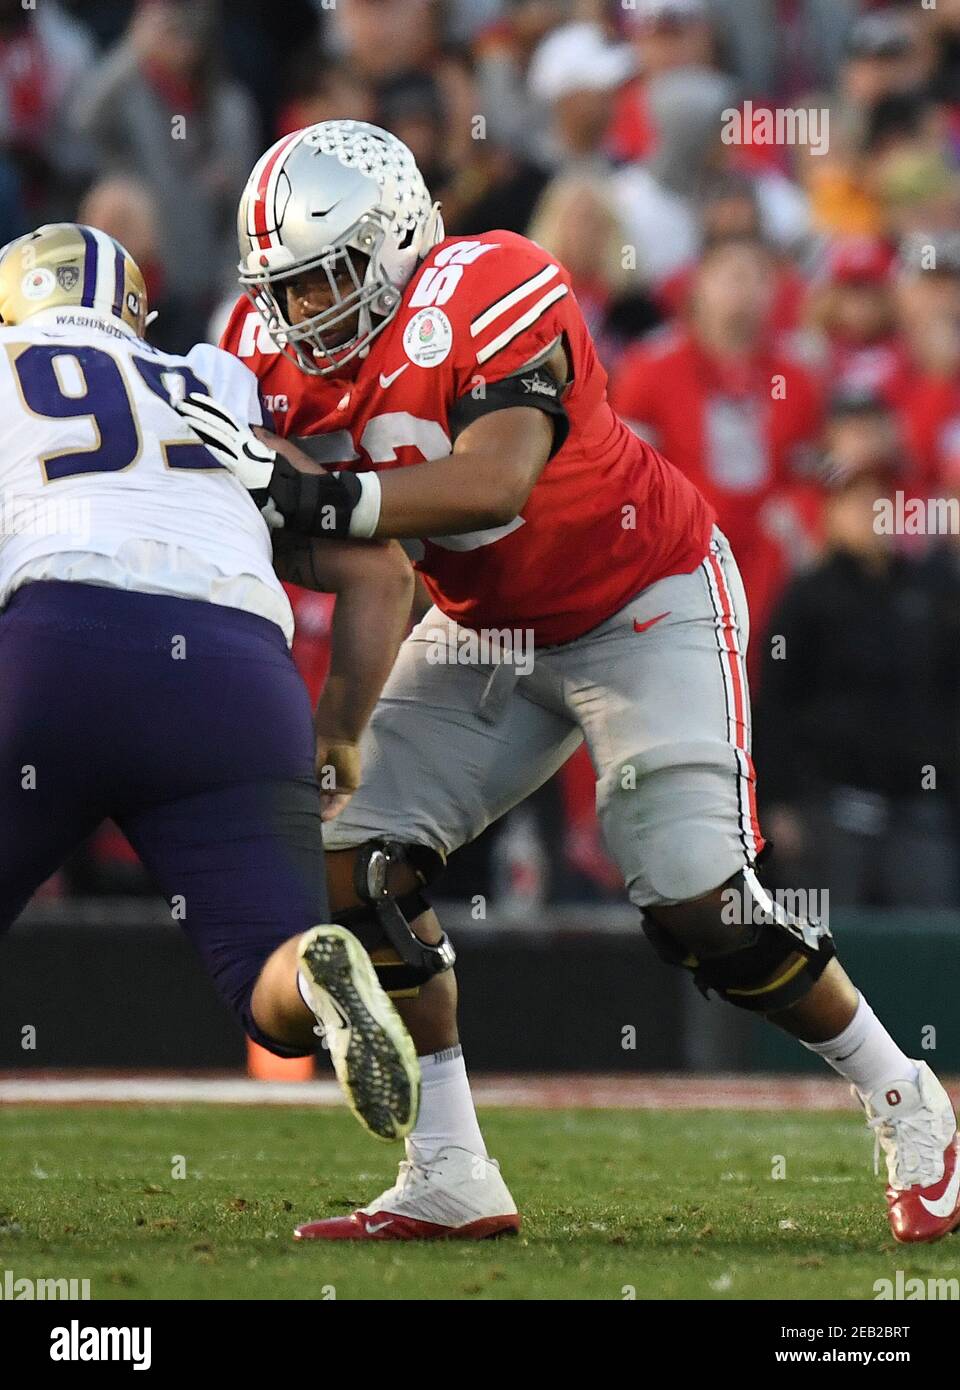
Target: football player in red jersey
(581,591)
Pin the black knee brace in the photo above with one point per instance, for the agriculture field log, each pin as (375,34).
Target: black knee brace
(382,921)
(762,972)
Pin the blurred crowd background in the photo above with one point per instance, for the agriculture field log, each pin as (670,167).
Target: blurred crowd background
(782,320)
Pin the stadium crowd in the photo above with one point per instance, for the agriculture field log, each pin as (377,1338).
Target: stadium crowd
(777,306)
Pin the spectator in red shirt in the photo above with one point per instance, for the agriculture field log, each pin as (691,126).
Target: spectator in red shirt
(740,418)
(927,394)
(666,34)
(45,55)
(854,312)
(730,209)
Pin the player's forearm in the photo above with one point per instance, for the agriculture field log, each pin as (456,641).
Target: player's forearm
(374,585)
(362,660)
(369,623)
(484,482)
(463,492)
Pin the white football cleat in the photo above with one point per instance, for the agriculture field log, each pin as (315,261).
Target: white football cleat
(916,1128)
(372,1052)
(458,1195)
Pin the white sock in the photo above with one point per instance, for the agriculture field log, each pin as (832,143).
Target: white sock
(447,1115)
(865,1053)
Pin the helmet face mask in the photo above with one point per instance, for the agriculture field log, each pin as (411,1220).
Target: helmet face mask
(344,199)
(369,301)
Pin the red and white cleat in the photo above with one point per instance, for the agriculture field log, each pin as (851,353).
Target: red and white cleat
(456,1196)
(917,1131)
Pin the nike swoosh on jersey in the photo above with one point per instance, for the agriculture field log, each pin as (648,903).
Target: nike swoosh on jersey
(386,381)
(642,627)
(944,1205)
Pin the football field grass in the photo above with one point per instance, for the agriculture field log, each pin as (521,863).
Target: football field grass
(668,1205)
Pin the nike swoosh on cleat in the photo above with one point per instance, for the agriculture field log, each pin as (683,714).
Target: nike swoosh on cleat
(372,1230)
(386,381)
(344,1018)
(642,627)
(943,1206)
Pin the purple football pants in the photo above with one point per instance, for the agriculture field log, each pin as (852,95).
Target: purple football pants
(188,724)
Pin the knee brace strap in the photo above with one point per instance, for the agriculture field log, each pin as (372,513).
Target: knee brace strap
(399,979)
(382,923)
(762,974)
(370,871)
(768,976)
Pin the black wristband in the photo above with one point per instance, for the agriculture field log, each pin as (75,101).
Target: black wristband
(314,504)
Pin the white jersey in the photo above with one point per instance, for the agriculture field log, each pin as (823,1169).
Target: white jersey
(102,482)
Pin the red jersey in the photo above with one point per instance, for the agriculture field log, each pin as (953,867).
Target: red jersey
(745,449)
(607,516)
(929,410)
(313,615)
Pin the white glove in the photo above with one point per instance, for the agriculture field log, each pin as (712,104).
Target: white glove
(231,443)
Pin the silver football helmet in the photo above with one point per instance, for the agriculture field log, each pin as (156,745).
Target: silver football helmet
(345,197)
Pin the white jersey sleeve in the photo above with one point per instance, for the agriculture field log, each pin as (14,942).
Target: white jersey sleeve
(231,382)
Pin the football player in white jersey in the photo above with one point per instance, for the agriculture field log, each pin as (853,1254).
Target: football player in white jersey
(147,677)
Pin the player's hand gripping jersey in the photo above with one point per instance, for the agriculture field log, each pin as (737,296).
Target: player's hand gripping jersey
(104,483)
(608,515)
